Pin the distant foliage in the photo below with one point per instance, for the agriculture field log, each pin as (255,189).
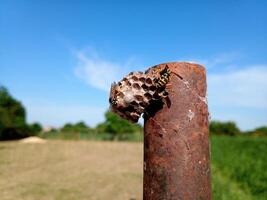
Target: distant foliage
(36,128)
(117,127)
(12,117)
(113,128)
(260,131)
(77,127)
(224,128)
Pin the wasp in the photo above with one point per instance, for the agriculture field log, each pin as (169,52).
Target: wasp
(113,94)
(164,77)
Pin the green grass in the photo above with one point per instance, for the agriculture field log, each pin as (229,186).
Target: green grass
(65,169)
(239,167)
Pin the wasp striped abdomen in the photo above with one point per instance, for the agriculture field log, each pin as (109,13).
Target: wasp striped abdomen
(164,78)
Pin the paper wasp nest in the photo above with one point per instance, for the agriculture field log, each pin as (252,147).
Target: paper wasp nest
(134,93)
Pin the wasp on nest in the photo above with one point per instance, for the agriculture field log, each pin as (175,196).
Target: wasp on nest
(134,93)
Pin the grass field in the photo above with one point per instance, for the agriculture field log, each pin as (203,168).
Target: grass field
(113,170)
(239,166)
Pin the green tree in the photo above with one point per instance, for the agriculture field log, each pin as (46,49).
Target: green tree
(260,131)
(36,128)
(78,127)
(116,126)
(67,126)
(223,128)
(12,117)
(12,113)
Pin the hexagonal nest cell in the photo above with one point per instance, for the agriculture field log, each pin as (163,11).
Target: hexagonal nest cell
(130,97)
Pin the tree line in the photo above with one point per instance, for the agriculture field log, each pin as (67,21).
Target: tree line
(13,124)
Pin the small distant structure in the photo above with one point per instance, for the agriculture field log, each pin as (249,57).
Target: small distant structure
(48,129)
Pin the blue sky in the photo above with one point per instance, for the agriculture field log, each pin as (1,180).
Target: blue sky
(59,57)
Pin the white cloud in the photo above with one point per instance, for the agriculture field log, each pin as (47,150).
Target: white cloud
(221,60)
(93,70)
(97,72)
(245,87)
(239,95)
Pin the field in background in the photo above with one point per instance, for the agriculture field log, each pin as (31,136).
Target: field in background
(113,170)
(59,135)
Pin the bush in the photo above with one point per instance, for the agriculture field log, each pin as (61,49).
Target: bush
(78,127)
(116,126)
(260,131)
(223,128)
(36,128)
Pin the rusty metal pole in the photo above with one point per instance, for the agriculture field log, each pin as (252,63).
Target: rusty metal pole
(176,142)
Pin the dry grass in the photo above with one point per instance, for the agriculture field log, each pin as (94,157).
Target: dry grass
(71,170)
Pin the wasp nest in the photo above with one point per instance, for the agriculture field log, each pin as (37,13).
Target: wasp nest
(134,93)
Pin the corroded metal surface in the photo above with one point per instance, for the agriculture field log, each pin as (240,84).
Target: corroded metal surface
(176,143)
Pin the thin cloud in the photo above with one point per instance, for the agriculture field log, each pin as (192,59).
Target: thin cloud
(243,88)
(97,72)
(239,95)
(218,60)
